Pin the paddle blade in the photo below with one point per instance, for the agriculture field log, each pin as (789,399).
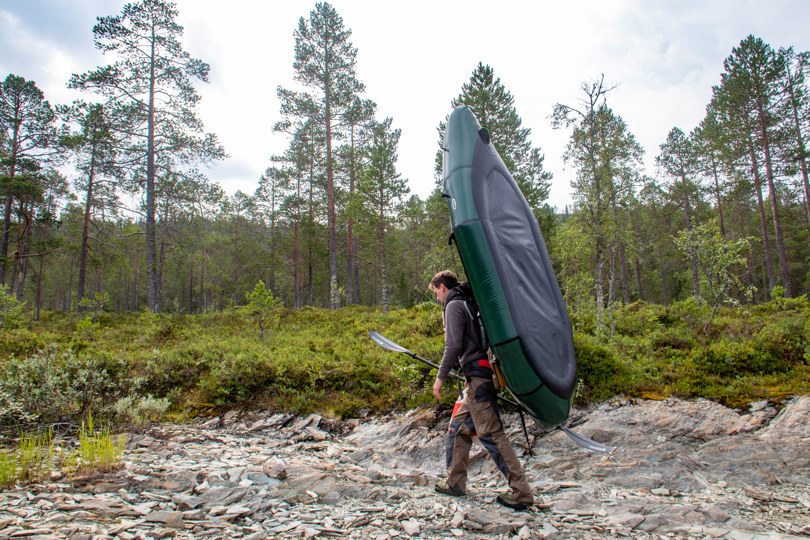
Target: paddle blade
(585,442)
(386,343)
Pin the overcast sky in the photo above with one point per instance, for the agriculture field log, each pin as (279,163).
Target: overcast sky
(414,56)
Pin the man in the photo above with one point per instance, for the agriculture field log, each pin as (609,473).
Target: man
(464,345)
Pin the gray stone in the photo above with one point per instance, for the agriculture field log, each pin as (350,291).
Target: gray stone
(223,496)
(630,520)
(411,527)
(652,522)
(186,502)
(171,519)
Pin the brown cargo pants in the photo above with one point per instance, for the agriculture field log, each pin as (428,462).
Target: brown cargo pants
(479,415)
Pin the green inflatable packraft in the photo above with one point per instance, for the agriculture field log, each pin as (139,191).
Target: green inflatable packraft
(506,261)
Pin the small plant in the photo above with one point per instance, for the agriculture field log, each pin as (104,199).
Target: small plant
(721,262)
(96,304)
(55,385)
(98,451)
(32,460)
(262,306)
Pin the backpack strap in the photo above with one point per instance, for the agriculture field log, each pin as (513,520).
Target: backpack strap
(476,318)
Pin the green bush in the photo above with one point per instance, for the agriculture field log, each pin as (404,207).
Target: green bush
(323,360)
(675,338)
(54,385)
(638,318)
(601,373)
(11,311)
(19,342)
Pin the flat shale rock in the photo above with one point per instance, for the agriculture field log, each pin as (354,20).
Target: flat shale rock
(680,470)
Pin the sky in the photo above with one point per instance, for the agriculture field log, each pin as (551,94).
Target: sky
(663,57)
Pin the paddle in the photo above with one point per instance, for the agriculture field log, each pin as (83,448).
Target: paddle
(580,440)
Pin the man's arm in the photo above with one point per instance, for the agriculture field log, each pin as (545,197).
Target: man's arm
(453,343)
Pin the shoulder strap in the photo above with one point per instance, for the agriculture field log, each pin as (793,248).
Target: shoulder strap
(476,319)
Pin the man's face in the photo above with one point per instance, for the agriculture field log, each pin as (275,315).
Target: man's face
(441,292)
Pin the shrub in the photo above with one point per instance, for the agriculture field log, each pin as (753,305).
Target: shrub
(11,311)
(638,319)
(141,411)
(19,342)
(675,338)
(598,368)
(54,385)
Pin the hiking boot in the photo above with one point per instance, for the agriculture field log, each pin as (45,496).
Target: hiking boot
(442,487)
(509,502)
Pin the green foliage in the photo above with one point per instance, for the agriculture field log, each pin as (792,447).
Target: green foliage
(32,460)
(38,455)
(601,373)
(262,306)
(96,304)
(98,450)
(11,311)
(720,261)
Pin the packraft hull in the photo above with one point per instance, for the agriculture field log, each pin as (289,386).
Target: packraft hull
(506,261)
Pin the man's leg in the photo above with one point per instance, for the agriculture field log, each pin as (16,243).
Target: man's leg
(457,449)
(482,399)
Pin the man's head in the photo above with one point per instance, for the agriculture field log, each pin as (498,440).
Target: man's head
(442,283)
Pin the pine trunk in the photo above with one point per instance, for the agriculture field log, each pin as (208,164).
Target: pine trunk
(784,265)
(688,211)
(330,205)
(763,221)
(88,206)
(151,247)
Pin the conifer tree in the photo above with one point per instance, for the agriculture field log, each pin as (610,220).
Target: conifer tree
(28,137)
(152,76)
(494,108)
(794,86)
(94,146)
(325,61)
(751,85)
(382,189)
(678,159)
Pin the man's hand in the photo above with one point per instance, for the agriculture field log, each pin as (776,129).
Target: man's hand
(437,388)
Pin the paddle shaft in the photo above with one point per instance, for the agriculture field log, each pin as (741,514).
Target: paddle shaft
(460,378)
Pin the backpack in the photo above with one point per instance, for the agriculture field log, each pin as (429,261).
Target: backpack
(463,291)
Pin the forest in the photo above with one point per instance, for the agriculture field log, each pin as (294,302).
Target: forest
(105,207)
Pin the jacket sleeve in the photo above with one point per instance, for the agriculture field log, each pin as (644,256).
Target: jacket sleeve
(454,320)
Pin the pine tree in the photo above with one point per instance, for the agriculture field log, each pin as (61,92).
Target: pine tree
(678,159)
(494,108)
(94,146)
(794,86)
(28,139)
(382,189)
(358,119)
(751,84)
(325,61)
(152,77)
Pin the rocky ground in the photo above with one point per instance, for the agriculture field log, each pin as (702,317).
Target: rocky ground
(680,470)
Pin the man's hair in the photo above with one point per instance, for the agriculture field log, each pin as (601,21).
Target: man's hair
(446,277)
